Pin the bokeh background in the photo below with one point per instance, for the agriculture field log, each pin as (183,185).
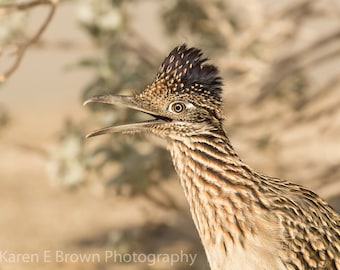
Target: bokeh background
(280,61)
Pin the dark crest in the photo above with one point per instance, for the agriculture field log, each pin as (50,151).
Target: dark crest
(184,70)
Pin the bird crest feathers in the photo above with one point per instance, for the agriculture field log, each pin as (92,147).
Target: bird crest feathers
(184,70)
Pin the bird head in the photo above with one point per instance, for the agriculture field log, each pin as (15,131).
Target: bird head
(184,99)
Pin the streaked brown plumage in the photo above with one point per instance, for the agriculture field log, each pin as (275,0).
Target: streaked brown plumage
(245,220)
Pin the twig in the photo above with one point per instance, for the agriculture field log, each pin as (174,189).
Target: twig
(294,63)
(22,48)
(305,52)
(330,86)
(218,18)
(249,37)
(7,8)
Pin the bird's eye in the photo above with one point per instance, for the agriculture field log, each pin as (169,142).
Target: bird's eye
(178,106)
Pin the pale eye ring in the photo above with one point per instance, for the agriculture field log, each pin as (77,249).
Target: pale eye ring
(179,106)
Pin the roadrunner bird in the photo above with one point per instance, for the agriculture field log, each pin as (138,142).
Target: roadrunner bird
(245,220)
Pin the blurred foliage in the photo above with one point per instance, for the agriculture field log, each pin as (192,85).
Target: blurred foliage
(268,52)
(12,27)
(12,33)
(69,164)
(118,69)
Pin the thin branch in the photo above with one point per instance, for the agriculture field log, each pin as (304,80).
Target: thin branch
(22,48)
(305,52)
(249,37)
(330,86)
(296,63)
(7,8)
(216,16)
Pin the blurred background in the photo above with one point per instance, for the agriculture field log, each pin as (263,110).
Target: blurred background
(281,67)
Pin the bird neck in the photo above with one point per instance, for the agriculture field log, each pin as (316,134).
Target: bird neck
(219,187)
(209,159)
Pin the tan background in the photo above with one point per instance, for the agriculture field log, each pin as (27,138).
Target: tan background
(43,92)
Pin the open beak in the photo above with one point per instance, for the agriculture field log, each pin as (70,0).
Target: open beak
(130,102)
